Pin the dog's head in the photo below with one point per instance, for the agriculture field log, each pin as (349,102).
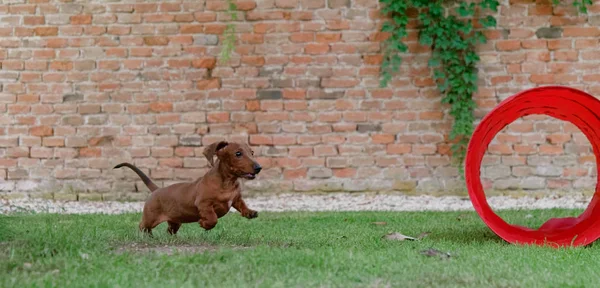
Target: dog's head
(237,158)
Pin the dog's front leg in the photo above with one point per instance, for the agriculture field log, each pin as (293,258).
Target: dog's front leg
(240,205)
(208,217)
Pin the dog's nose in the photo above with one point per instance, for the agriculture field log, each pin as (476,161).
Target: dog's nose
(257,168)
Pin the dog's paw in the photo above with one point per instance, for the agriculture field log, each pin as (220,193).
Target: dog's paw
(251,214)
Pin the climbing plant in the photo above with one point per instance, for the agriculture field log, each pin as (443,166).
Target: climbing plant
(229,34)
(581,5)
(452,35)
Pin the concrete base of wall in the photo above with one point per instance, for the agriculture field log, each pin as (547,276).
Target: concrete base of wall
(74,195)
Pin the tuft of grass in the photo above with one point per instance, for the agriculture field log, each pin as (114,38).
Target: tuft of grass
(342,249)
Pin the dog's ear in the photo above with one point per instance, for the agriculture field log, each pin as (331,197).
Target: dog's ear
(212,149)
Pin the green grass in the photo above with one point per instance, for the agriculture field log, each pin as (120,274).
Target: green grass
(287,250)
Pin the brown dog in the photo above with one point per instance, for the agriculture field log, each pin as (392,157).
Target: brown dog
(206,199)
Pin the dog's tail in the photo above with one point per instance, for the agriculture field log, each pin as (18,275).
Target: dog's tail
(139,172)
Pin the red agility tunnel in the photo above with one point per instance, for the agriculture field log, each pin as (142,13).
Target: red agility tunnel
(567,104)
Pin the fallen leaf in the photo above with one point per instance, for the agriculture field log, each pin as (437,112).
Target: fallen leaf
(380,223)
(423,235)
(399,237)
(27,265)
(435,253)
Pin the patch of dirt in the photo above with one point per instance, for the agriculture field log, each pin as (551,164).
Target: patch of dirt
(145,248)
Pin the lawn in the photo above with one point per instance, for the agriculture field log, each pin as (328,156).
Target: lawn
(343,249)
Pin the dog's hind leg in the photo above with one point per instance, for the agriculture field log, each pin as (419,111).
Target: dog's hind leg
(146,225)
(173,227)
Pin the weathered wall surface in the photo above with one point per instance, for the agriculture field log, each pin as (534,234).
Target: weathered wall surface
(88,84)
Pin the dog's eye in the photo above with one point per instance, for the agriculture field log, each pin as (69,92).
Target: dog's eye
(238,154)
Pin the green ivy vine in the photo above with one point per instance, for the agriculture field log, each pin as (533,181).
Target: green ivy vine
(581,5)
(229,34)
(453,38)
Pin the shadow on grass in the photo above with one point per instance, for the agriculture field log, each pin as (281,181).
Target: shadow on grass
(467,235)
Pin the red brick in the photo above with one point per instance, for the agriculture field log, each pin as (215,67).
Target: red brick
(207,84)
(260,140)
(53,141)
(566,55)
(8,163)
(205,62)
(61,65)
(501,149)
(156,40)
(41,131)
(300,151)
(205,16)
(164,119)
(34,20)
(559,138)
(217,117)
(161,107)
(295,173)
(90,152)
(214,28)
(253,60)
(286,3)
(581,32)
(17,152)
(338,24)
(339,82)
(253,105)
(554,44)
(264,28)
(245,5)
(344,172)
(81,19)
(41,152)
(399,148)
(284,140)
(328,37)
(316,49)
(550,150)
(191,29)
(383,138)
(46,31)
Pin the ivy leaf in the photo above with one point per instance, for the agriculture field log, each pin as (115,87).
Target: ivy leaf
(425,39)
(436,9)
(434,62)
(401,47)
(401,20)
(471,58)
(438,74)
(465,9)
(443,88)
(395,62)
(387,27)
(480,37)
(493,4)
(385,80)
(488,21)
(467,28)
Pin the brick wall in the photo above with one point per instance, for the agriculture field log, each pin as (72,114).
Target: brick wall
(88,84)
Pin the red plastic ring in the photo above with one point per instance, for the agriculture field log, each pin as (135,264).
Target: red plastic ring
(563,103)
